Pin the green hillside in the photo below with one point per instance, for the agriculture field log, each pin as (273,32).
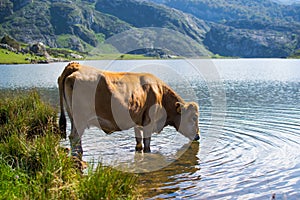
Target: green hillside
(84,25)
(77,25)
(238,28)
(246,28)
(235,10)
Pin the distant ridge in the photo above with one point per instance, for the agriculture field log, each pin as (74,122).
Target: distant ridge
(245,28)
(238,28)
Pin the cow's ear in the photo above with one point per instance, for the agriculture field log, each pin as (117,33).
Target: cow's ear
(193,106)
(178,106)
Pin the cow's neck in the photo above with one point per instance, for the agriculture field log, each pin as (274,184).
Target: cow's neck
(169,100)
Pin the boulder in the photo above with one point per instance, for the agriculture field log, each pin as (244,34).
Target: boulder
(39,49)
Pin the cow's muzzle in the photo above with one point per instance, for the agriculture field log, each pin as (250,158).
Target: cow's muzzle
(197,137)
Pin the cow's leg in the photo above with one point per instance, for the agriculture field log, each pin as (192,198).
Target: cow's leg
(138,137)
(146,139)
(147,144)
(75,140)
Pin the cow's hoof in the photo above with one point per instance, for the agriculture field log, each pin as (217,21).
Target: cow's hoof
(139,148)
(76,155)
(79,164)
(197,137)
(147,150)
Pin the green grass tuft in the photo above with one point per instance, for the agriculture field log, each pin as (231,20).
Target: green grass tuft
(107,183)
(33,165)
(26,115)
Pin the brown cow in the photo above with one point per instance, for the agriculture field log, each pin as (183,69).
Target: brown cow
(115,101)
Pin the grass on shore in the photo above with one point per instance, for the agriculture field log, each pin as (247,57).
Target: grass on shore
(296,55)
(34,166)
(9,57)
(120,57)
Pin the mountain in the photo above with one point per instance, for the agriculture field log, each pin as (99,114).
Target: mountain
(142,14)
(225,10)
(85,25)
(246,28)
(58,23)
(242,28)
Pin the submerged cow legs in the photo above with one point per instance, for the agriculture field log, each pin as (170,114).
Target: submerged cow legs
(75,140)
(147,144)
(139,137)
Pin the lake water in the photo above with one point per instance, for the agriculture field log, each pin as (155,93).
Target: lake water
(249,121)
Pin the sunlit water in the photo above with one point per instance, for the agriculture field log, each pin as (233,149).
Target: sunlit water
(249,121)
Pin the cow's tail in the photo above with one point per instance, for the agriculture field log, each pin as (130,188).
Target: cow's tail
(62,118)
(70,68)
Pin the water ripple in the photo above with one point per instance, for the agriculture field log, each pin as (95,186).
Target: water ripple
(253,154)
(250,150)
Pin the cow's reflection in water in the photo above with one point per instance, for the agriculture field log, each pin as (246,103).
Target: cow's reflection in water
(165,180)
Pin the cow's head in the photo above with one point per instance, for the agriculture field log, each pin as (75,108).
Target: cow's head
(188,122)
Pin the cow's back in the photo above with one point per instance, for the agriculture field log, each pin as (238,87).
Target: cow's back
(125,97)
(110,100)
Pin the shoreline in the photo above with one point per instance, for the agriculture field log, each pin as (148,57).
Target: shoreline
(12,58)
(66,61)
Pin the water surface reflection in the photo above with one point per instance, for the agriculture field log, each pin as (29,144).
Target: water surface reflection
(252,154)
